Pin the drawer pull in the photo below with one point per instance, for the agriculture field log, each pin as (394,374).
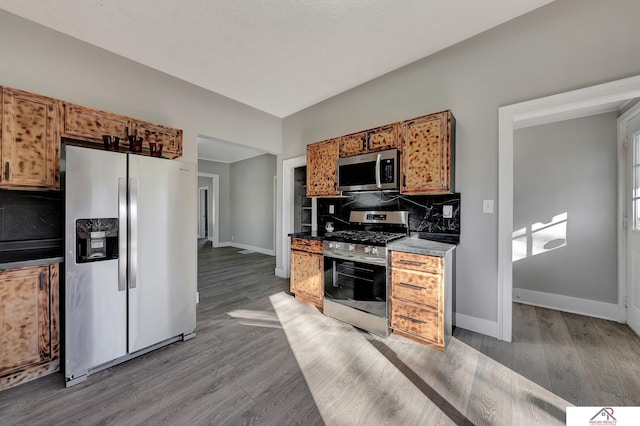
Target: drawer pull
(411,286)
(412,319)
(412,262)
(6,171)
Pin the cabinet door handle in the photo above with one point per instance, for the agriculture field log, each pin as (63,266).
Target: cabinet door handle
(404,180)
(412,286)
(41,281)
(412,262)
(318,263)
(364,144)
(6,170)
(412,319)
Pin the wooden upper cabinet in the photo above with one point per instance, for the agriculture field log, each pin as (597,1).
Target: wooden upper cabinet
(378,139)
(427,154)
(88,124)
(30,142)
(322,165)
(24,318)
(382,138)
(353,144)
(171,139)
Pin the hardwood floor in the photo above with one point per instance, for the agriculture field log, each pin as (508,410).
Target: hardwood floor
(260,356)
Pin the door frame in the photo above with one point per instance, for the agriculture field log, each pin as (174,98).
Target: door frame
(214,207)
(623,193)
(288,192)
(563,106)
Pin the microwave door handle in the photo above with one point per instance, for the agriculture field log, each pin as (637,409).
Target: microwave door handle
(378,159)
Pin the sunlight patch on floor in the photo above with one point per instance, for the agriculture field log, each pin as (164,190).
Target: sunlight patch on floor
(357,378)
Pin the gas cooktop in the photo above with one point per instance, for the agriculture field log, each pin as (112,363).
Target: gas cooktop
(364,237)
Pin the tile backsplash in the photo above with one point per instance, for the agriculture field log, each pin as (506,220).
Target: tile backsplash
(31,215)
(425,211)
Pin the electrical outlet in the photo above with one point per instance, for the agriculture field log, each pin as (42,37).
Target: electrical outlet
(332,209)
(447,212)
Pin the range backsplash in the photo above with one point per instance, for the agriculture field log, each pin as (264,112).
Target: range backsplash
(31,215)
(425,211)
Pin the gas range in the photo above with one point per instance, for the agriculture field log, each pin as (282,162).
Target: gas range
(366,243)
(355,264)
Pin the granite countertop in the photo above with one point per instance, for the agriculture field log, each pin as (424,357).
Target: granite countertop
(17,254)
(309,235)
(421,246)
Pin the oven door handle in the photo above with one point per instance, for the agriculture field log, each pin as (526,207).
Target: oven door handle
(371,261)
(378,159)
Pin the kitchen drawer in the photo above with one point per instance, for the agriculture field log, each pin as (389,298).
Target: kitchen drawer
(417,262)
(416,287)
(311,246)
(423,323)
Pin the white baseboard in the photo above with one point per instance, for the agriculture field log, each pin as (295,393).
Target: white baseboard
(248,247)
(281,273)
(478,325)
(575,305)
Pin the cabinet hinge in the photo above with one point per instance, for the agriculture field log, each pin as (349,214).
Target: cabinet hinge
(626,299)
(625,144)
(625,222)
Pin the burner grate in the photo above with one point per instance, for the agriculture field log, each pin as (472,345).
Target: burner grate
(367,237)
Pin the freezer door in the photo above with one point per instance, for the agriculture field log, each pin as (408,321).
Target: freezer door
(95,294)
(162,273)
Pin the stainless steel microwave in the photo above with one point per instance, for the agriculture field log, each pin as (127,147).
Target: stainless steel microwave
(369,172)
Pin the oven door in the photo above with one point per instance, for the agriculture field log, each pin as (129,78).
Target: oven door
(358,285)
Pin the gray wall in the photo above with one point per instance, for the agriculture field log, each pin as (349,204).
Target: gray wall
(565,45)
(40,60)
(224,171)
(569,166)
(251,200)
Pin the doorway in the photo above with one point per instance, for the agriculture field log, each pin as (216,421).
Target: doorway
(203,212)
(209,184)
(574,104)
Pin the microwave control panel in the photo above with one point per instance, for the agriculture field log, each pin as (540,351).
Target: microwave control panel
(388,172)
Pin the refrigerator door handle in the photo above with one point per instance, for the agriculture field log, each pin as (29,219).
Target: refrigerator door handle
(122,234)
(133,232)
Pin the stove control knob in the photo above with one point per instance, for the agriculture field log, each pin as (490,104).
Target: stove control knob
(374,250)
(367,249)
(352,247)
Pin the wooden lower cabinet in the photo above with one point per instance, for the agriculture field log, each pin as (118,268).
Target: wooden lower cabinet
(420,297)
(29,323)
(307,271)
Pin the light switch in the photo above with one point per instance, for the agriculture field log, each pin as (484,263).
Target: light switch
(447,212)
(332,209)
(487,206)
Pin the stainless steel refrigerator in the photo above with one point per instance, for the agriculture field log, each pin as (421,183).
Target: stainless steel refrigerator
(130,257)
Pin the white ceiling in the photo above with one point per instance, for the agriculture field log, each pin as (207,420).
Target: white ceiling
(279,56)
